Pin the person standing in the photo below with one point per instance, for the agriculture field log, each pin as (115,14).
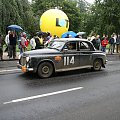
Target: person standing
(93,37)
(114,45)
(37,41)
(32,43)
(23,42)
(13,42)
(96,42)
(104,43)
(1,47)
(7,41)
(118,44)
(111,42)
(41,41)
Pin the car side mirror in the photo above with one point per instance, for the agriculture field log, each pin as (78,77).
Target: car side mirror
(65,50)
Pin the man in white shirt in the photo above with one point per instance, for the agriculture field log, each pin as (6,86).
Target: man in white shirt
(33,43)
(7,41)
(115,38)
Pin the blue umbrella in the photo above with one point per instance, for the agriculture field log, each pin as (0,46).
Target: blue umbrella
(14,27)
(66,34)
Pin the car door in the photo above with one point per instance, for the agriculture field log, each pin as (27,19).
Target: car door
(86,51)
(70,56)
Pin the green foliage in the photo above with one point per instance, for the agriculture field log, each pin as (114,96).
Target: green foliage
(67,6)
(103,17)
(106,15)
(73,14)
(16,12)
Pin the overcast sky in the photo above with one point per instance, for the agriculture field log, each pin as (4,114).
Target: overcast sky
(90,1)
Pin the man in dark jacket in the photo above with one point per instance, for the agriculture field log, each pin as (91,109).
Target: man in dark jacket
(13,42)
(1,47)
(111,43)
(118,44)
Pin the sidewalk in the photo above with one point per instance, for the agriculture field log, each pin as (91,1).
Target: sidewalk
(6,57)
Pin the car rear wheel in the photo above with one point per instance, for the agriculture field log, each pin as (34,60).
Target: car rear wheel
(45,70)
(97,64)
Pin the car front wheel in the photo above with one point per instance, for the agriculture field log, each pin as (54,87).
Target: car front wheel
(97,64)
(45,70)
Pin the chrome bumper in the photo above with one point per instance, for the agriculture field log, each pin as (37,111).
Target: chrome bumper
(24,68)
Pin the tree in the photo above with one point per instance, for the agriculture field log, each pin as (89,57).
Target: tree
(106,15)
(73,14)
(67,6)
(9,14)
(17,12)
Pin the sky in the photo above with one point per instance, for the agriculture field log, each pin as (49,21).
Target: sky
(90,1)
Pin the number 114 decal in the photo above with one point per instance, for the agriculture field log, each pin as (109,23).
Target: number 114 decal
(69,60)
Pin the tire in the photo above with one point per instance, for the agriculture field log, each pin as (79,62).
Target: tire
(45,70)
(97,64)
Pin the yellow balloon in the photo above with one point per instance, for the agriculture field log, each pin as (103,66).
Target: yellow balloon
(54,21)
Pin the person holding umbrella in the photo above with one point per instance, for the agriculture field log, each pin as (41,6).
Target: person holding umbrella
(13,39)
(13,42)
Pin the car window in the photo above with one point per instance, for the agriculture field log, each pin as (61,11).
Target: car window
(71,46)
(56,45)
(85,46)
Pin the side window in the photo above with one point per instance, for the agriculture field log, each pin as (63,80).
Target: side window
(71,46)
(85,46)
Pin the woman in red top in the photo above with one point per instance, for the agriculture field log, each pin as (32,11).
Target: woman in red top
(104,43)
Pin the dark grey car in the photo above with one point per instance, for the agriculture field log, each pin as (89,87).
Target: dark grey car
(62,55)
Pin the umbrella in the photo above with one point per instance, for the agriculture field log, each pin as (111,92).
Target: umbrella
(66,34)
(14,27)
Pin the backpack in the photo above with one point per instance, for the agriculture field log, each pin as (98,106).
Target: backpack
(111,41)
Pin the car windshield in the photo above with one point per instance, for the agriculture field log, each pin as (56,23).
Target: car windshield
(56,45)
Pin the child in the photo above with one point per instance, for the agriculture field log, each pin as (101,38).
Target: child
(104,43)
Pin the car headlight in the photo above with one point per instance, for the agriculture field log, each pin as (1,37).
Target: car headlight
(19,56)
(27,59)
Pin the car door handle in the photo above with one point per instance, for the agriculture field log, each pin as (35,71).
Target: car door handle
(81,53)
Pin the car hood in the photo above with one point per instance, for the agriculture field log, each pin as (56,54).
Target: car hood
(40,52)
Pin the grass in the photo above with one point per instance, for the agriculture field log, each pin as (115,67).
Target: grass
(17,48)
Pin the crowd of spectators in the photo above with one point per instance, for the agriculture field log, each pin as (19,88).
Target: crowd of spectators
(41,39)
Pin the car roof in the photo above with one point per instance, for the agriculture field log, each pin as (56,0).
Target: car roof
(70,39)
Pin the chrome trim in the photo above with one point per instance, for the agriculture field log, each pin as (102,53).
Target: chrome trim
(106,61)
(28,69)
(75,68)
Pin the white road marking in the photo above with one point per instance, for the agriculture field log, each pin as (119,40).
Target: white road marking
(1,71)
(43,95)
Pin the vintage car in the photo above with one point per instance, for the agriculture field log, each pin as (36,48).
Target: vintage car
(62,55)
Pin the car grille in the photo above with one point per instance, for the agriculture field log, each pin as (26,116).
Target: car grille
(22,61)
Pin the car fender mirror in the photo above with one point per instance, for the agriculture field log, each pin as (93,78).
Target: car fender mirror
(65,50)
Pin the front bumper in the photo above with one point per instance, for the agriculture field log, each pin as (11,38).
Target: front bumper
(106,61)
(24,68)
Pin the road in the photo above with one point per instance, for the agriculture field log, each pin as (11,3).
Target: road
(75,95)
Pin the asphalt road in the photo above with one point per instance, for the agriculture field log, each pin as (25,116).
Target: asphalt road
(75,95)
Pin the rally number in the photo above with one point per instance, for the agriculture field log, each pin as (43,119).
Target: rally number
(69,60)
